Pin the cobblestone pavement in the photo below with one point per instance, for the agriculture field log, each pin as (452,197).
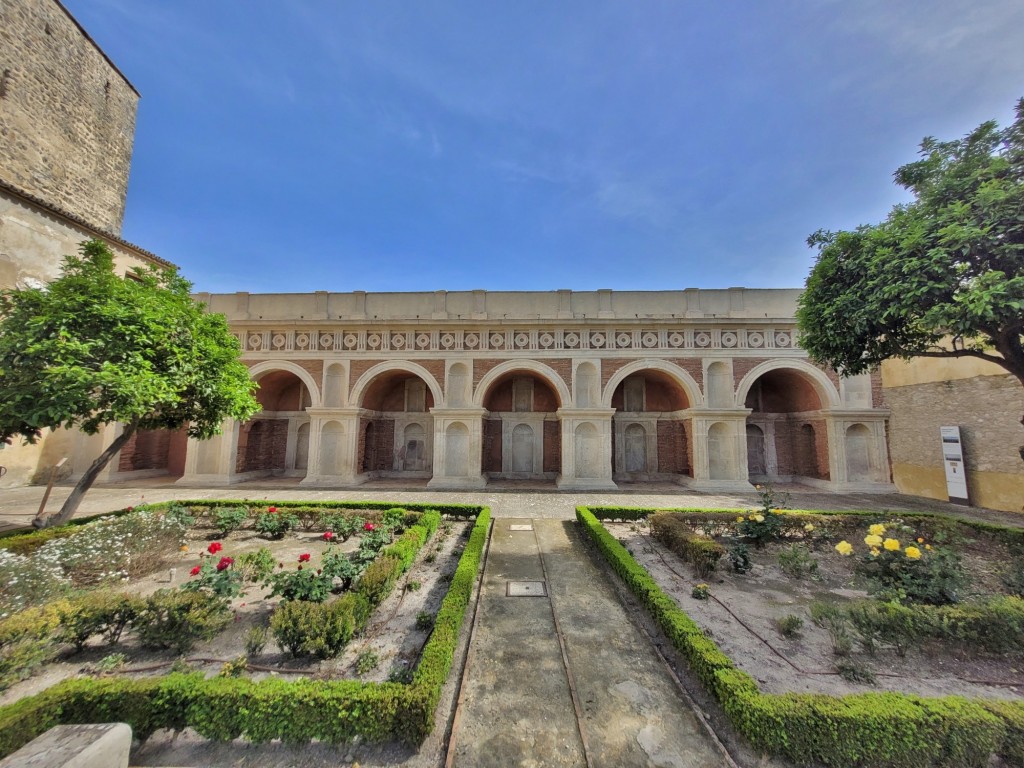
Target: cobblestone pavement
(511,499)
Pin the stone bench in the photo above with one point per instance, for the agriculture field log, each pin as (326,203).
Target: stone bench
(76,746)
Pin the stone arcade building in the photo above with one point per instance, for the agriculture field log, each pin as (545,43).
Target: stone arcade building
(707,388)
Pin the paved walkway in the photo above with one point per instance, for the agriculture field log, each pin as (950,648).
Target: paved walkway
(567,678)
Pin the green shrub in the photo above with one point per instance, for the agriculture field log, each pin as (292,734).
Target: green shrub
(424,621)
(367,661)
(338,565)
(97,613)
(379,578)
(228,519)
(305,585)
(797,562)
(256,640)
(739,558)
(277,523)
(175,619)
(699,551)
(219,578)
(789,626)
(255,567)
(323,631)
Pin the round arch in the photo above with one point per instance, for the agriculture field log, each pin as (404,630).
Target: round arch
(674,372)
(532,366)
(359,390)
(823,386)
(270,366)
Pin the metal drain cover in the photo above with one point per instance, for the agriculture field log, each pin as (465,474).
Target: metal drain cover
(525,589)
(521,527)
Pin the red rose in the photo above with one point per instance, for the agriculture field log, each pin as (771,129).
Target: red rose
(304,557)
(271,509)
(328,535)
(130,508)
(214,547)
(300,567)
(225,562)
(319,571)
(195,571)
(369,527)
(280,565)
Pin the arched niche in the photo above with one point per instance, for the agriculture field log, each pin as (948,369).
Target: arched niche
(302,447)
(456,450)
(720,453)
(335,376)
(587,385)
(331,436)
(860,463)
(719,385)
(588,451)
(459,384)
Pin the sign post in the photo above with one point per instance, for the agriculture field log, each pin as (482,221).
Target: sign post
(953,461)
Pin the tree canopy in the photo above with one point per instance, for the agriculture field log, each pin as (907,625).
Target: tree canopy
(92,348)
(941,276)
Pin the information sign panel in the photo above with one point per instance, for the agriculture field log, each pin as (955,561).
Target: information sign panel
(953,461)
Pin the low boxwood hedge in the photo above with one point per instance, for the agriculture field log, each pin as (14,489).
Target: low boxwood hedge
(870,729)
(293,711)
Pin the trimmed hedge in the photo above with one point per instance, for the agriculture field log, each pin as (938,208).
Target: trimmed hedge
(699,551)
(872,729)
(294,711)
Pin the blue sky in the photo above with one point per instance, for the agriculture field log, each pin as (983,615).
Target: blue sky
(396,145)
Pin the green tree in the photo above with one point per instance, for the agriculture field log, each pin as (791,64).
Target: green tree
(941,276)
(93,348)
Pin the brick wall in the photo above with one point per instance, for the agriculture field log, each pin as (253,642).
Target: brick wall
(552,446)
(490,460)
(67,117)
(146,449)
(672,448)
(262,445)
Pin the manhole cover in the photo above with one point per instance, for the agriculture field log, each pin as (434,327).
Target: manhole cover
(525,589)
(521,527)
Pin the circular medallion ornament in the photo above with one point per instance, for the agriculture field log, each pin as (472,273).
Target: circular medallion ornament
(373,341)
(624,340)
(650,340)
(326,341)
(255,341)
(448,341)
(350,341)
(471,340)
(422,341)
(546,340)
(522,340)
(781,339)
(676,339)
(278,340)
(571,339)
(497,340)
(728,339)
(302,341)
(702,339)
(755,339)
(597,340)
(397,341)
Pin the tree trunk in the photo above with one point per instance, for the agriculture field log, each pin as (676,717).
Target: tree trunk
(85,483)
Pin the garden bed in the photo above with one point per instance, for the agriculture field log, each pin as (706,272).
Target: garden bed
(765,682)
(375,651)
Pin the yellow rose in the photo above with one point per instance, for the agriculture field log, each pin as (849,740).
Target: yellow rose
(874,552)
(913,553)
(844,548)
(892,545)
(877,529)
(809,527)
(920,540)
(739,519)
(873,540)
(758,518)
(928,547)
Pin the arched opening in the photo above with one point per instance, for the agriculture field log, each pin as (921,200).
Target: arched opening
(268,444)
(783,428)
(521,435)
(860,464)
(151,453)
(396,412)
(650,428)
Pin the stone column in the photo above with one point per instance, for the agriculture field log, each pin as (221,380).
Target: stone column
(458,445)
(720,450)
(837,422)
(586,449)
(212,461)
(333,447)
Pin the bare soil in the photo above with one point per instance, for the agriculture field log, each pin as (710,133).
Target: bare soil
(743,609)
(391,633)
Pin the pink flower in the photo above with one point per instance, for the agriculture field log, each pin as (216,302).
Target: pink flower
(271,509)
(328,535)
(369,527)
(304,557)
(195,571)
(214,547)
(225,562)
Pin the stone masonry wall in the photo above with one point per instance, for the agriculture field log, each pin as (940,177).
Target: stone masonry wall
(67,116)
(987,409)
